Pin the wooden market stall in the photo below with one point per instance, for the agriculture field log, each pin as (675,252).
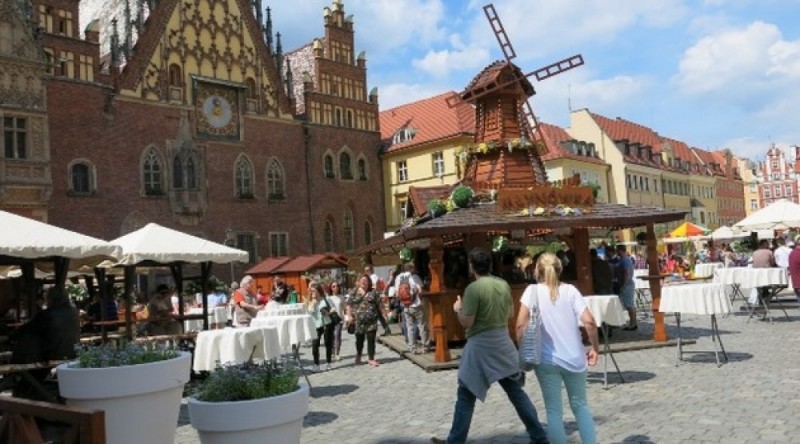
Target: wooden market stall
(295,270)
(510,206)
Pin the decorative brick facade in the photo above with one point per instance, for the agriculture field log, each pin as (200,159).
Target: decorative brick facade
(202,136)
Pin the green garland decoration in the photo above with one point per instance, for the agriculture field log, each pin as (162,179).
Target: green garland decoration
(406,255)
(437,207)
(462,196)
(499,244)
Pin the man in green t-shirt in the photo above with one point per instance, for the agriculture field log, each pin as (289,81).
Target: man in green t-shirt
(490,355)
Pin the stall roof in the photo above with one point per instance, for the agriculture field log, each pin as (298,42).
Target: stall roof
(269,265)
(486,218)
(305,263)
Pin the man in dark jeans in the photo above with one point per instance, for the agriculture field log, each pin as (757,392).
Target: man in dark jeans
(489,356)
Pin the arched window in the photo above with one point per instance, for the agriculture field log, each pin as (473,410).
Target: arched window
(349,241)
(367,233)
(244,179)
(275,188)
(151,174)
(327,236)
(329,173)
(349,121)
(81,178)
(345,170)
(175,78)
(191,174)
(338,117)
(177,173)
(251,88)
(362,169)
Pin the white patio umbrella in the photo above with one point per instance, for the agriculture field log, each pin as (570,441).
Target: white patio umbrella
(727,233)
(780,215)
(154,243)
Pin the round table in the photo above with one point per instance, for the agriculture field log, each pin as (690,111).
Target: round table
(235,345)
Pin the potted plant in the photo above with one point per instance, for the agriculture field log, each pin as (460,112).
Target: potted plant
(249,403)
(139,386)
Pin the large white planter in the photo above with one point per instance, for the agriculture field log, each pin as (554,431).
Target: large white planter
(142,402)
(276,420)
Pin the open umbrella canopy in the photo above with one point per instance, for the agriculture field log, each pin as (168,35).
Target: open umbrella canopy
(780,215)
(728,233)
(688,229)
(24,238)
(154,243)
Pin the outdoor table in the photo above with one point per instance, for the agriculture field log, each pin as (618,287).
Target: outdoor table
(741,278)
(235,345)
(701,299)
(216,315)
(292,329)
(277,309)
(607,310)
(707,269)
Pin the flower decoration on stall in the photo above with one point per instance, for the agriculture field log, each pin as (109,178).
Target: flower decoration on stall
(510,145)
(77,292)
(499,244)
(437,207)
(553,210)
(406,255)
(462,196)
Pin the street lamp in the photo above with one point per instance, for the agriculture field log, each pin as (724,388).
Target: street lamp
(230,241)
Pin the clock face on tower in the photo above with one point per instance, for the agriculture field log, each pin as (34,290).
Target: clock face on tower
(217,111)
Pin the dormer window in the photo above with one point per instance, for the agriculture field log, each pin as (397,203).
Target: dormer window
(403,135)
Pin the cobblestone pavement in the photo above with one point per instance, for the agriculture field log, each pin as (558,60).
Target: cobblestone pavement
(753,398)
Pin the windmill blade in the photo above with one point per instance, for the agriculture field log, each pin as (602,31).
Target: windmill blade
(530,124)
(558,67)
(499,32)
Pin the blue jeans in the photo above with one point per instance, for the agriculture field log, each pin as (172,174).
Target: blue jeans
(465,406)
(550,377)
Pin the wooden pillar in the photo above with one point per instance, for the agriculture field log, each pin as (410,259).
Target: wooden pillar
(436,301)
(580,246)
(130,276)
(659,329)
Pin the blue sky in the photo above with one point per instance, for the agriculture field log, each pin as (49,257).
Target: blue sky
(712,73)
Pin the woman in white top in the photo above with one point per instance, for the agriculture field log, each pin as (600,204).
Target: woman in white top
(337,298)
(319,306)
(564,358)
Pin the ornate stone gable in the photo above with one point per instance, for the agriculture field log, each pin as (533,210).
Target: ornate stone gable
(211,39)
(22,62)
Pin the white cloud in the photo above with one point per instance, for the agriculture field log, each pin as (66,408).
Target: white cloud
(441,63)
(748,59)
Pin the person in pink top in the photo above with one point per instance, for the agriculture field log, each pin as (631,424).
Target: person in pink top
(794,267)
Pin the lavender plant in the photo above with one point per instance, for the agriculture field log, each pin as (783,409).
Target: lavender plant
(131,353)
(243,382)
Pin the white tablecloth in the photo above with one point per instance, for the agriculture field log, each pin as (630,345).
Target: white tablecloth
(641,284)
(606,308)
(276,309)
(747,277)
(702,299)
(703,270)
(293,329)
(216,315)
(235,345)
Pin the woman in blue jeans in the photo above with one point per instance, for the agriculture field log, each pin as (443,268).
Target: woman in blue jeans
(564,358)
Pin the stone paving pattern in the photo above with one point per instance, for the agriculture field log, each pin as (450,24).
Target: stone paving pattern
(753,398)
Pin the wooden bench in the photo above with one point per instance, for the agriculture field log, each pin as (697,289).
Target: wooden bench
(81,425)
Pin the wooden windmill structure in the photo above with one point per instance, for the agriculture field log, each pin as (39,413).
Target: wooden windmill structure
(507,150)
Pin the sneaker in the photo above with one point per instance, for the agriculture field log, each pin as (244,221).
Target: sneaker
(337,358)
(315,368)
(328,367)
(373,363)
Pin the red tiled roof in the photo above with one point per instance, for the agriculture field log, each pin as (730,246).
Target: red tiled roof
(420,196)
(554,136)
(620,130)
(680,150)
(720,158)
(709,159)
(490,78)
(305,263)
(268,265)
(433,119)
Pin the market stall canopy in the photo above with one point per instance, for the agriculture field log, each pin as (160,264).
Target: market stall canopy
(678,240)
(728,233)
(688,229)
(154,244)
(780,215)
(23,238)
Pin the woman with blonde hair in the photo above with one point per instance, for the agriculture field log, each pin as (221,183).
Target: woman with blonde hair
(319,307)
(564,358)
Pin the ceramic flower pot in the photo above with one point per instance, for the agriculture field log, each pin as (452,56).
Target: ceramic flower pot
(141,402)
(276,420)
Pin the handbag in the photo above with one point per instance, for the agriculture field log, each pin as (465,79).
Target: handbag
(351,328)
(530,348)
(333,315)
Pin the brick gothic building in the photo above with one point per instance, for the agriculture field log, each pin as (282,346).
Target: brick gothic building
(195,120)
